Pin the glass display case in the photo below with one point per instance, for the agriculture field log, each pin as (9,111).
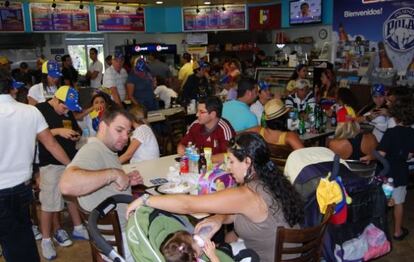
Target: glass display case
(278,77)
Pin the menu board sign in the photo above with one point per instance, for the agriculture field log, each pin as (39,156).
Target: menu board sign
(213,18)
(126,19)
(64,17)
(11,18)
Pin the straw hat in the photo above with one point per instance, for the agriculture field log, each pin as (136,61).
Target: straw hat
(274,108)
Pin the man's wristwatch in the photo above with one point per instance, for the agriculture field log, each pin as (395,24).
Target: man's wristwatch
(145,197)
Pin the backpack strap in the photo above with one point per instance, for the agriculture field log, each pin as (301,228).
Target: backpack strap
(158,212)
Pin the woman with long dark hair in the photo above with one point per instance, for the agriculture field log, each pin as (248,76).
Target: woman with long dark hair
(50,82)
(300,72)
(264,199)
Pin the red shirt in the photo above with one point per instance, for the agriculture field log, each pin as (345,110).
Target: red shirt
(217,138)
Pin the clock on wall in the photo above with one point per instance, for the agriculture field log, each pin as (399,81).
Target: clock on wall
(323,34)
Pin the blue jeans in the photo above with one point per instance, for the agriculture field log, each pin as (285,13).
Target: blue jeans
(16,236)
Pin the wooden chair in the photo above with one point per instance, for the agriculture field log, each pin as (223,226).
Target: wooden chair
(308,240)
(176,128)
(279,154)
(112,232)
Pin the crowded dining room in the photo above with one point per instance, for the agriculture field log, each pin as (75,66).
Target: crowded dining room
(206,131)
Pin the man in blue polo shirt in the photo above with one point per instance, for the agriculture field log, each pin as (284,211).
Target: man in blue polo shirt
(237,112)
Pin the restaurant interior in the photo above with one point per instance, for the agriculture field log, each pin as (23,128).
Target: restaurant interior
(318,67)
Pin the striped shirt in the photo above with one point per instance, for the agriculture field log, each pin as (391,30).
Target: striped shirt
(217,138)
(292,101)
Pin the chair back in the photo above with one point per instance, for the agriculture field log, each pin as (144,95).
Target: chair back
(306,242)
(176,128)
(279,153)
(110,228)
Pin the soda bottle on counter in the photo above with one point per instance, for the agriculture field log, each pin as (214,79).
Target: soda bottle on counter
(333,119)
(302,128)
(384,60)
(184,165)
(188,149)
(388,187)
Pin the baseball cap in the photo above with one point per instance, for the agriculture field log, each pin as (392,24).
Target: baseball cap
(51,68)
(263,85)
(378,90)
(4,60)
(199,64)
(118,55)
(345,114)
(69,96)
(302,83)
(140,65)
(16,84)
(274,108)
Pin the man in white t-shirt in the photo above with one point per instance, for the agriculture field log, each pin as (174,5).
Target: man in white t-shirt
(95,69)
(163,92)
(115,78)
(21,125)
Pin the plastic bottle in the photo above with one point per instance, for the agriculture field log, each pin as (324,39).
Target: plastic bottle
(204,231)
(202,162)
(333,119)
(302,129)
(388,187)
(85,132)
(188,149)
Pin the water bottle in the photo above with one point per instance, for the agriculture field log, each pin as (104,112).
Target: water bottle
(333,119)
(302,129)
(188,149)
(85,132)
(204,231)
(388,187)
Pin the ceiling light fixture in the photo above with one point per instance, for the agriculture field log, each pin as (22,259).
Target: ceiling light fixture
(159,2)
(6,4)
(117,7)
(207,2)
(81,5)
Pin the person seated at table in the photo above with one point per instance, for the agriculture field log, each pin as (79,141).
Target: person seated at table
(264,200)
(143,143)
(237,112)
(376,113)
(302,98)
(276,131)
(209,130)
(300,72)
(164,93)
(264,96)
(349,142)
(326,93)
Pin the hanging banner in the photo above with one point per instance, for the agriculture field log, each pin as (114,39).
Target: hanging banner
(213,18)
(11,18)
(386,27)
(125,19)
(62,18)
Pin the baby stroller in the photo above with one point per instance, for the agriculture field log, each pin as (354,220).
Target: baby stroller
(305,167)
(147,228)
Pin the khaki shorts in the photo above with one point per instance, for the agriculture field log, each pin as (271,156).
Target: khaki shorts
(399,194)
(50,197)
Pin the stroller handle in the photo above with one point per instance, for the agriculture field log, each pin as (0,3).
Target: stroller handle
(99,212)
(383,161)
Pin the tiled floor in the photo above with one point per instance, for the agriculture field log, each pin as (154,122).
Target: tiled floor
(402,251)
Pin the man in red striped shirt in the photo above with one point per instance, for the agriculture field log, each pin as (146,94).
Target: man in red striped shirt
(209,130)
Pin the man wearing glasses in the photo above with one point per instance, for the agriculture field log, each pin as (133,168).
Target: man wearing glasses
(209,130)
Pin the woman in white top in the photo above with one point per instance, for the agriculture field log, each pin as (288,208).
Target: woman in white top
(163,92)
(143,143)
(46,89)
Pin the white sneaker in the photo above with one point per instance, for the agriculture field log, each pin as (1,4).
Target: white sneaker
(80,234)
(36,232)
(48,250)
(62,238)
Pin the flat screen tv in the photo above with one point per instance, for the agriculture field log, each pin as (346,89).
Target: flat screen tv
(305,12)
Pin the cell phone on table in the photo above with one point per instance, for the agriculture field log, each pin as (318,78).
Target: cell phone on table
(158,181)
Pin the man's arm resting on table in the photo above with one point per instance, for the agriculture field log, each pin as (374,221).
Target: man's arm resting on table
(46,138)
(76,181)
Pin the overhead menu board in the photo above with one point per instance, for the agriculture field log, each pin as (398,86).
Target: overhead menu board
(11,18)
(64,17)
(213,18)
(125,19)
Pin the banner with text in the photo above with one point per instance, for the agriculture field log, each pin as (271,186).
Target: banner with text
(384,25)
(214,18)
(124,19)
(11,18)
(64,17)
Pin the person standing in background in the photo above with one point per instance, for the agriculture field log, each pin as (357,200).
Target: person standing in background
(108,61)
(186,70)
(158,68)
(22,74)
(301,71)
(163,92)
(115,78)
(69,73)
(24,125)
(46,89)
(264,96)
(94,73)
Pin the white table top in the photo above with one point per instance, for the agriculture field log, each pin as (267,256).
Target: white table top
(159,115)
(151,169)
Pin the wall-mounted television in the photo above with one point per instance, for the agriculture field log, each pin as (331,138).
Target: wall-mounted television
(305,12)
